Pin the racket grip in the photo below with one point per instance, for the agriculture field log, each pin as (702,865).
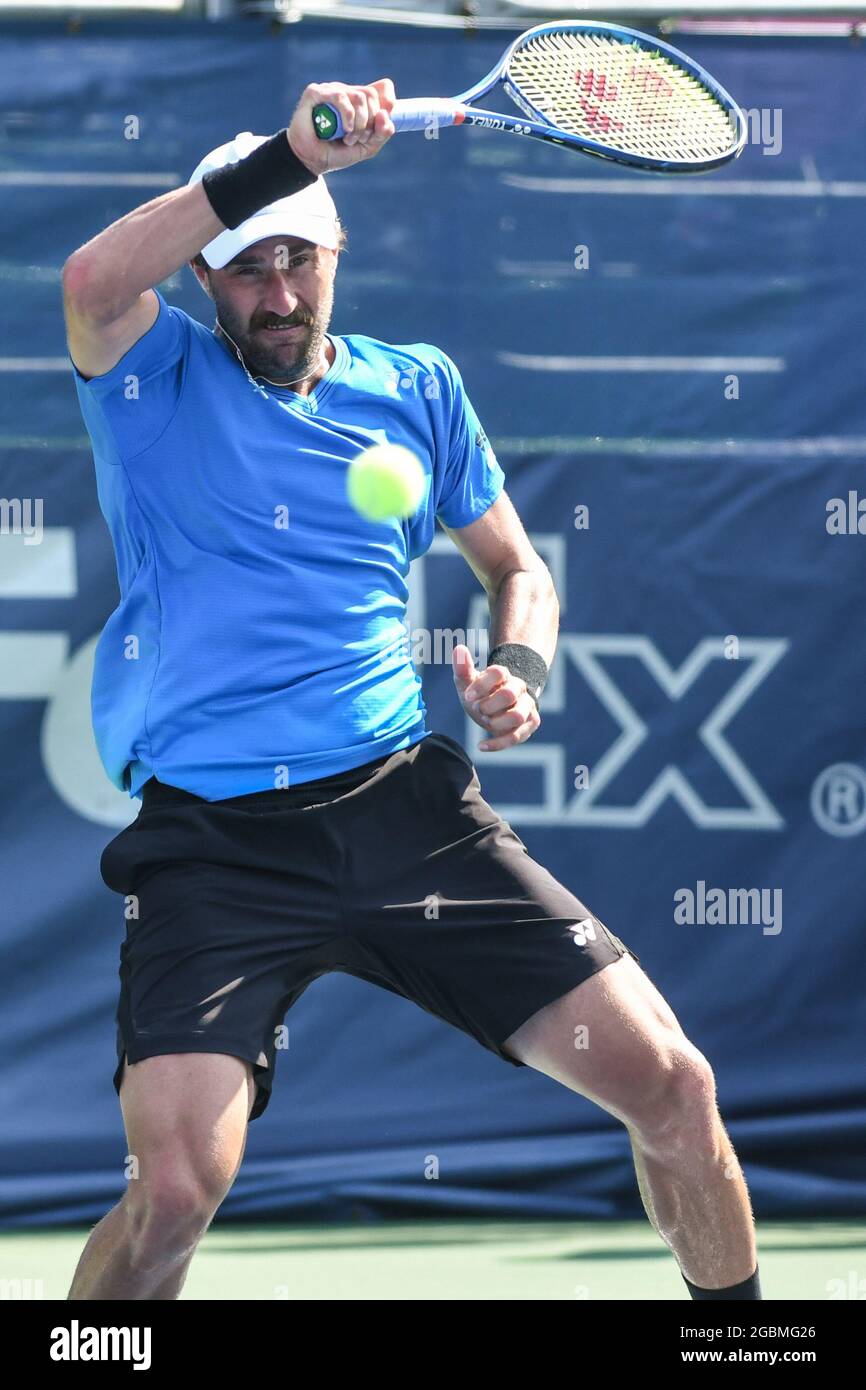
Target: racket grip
(422,113)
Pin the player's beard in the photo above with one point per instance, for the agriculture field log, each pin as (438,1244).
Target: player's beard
(288,360)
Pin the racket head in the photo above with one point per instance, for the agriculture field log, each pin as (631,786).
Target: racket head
(622,95)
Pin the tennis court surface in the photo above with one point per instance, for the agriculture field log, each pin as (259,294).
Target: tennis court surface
(460,1260)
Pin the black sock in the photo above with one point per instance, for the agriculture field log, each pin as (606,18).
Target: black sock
(749,1289)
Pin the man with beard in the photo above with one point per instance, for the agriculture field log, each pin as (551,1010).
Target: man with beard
(254,689)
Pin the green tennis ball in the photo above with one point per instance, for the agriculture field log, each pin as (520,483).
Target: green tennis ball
(385,481)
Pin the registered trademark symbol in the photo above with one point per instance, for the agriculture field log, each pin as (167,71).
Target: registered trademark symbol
(838,799)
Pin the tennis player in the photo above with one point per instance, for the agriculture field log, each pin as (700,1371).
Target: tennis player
(297,816)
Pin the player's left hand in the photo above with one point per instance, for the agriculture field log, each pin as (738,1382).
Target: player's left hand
(495,699)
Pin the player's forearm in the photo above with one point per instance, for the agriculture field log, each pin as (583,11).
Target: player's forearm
(525,609)
(108,273)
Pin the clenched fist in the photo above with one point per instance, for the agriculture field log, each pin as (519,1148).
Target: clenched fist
(366,121)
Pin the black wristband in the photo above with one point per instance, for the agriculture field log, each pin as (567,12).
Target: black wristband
(524,662)
(271,171)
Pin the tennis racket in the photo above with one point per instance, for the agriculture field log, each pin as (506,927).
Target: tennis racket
(598,88)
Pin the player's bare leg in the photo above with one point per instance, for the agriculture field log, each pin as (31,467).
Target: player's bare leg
(639,1066)
(186,1124)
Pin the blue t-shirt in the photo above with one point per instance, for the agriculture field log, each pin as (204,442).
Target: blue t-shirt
(261,639)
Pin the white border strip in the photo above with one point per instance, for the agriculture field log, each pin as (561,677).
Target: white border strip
(52,178)
(35,364)
(531,362)
(655,185)
(830,446)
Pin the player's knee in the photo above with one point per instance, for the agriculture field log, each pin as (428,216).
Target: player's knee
(678,1108)
(169,1215)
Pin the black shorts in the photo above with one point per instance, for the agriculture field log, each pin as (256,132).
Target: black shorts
(397,872)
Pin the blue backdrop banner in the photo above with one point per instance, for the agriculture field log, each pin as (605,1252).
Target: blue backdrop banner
(671,375)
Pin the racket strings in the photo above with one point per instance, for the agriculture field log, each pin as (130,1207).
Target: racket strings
(617,93)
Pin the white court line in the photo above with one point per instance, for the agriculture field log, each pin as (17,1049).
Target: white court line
(533,362)
(723,188)
(40,178)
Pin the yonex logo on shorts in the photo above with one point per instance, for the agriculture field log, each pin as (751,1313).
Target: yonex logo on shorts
(583,931)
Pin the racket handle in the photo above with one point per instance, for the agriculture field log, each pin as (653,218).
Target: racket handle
(418,114)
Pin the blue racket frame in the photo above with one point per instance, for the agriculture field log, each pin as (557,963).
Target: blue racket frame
(418,114)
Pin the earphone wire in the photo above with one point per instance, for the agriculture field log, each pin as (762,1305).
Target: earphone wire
(255,385)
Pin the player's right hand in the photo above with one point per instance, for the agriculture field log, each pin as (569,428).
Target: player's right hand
(366,121)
